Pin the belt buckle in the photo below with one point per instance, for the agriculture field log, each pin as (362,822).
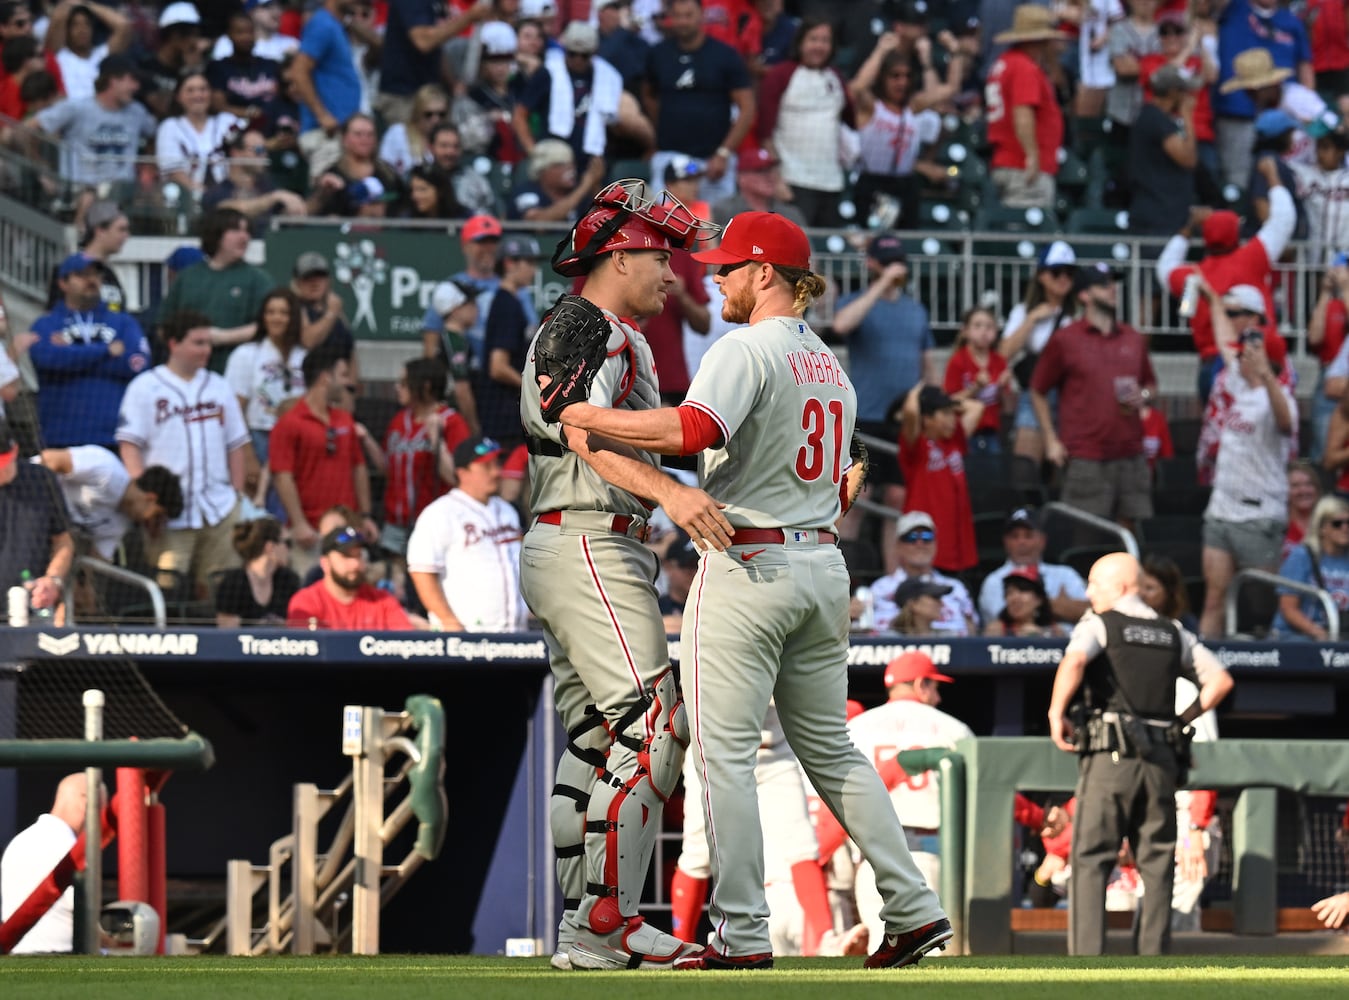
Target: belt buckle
(643,533)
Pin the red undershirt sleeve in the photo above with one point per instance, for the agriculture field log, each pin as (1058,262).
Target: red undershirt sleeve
(700,430)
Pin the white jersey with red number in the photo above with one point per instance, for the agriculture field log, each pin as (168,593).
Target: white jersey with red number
(475,550)
(907,724)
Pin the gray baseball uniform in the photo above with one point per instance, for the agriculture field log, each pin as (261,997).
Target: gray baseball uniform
(768,618)
(589,580)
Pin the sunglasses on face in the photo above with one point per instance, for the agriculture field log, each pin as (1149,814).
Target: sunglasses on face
(330,441)
(728,269)
(434,113)
(1238,313)
(1338,522)
(1171,29)
(918,535)
(1062,271)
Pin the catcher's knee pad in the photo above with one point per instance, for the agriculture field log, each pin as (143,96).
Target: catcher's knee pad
(581,763)
(628,799)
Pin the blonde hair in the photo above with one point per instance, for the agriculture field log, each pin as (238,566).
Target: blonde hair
(807,286)
(1327,507)
(425,95)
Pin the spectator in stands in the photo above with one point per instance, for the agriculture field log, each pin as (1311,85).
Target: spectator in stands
(1025,611)
(692,84)
(71,31)
(488,109)
(11,350)
(190,146)
(1323,191)
(414,35)
(915,548)
(16,21)
(343,599)
(315,458)
(1092,361)
(1321,561)
(104,132)
(511,323)
(933,441)
(248,186)
(32,855)
(84,356)
(574,96)
(1328,38)
(1023,539)
(1187,48)
(104,233)
(1228,262)
(359,183)
(1274,132)
(553,192)
(621,47)
(326,84)
(889,348)
(1336,457)
(1131,38)
(1245,26)
(323,319)
(1025,125)
(408,144)
(470,187)
(431,196)
(736,23)
(20,59)
(779,29)
(419,447)
(479,239)
(104,501)
(224,286)
(679,565)
(268,370)
(920,607)
(178,51)
(803,103)
(187,419)
(243,82)
(458,308)
(758,186)
(896,143)
(1251,421)
(1304,489)
(259,591)
(977,372)
(1161,586)
(464,554)
(36,548)
(1156,434)
(268,41)
(1163,154)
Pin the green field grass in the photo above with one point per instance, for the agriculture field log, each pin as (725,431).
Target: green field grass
(404,977)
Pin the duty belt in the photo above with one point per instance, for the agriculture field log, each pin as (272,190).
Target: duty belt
(597,520)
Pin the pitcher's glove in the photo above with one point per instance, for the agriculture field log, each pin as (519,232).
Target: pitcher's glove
(568,354)
(858,473)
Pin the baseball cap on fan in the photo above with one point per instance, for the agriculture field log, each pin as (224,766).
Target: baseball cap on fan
(887,248)
(480,227)
(475,449)
(762,237)
(179,13)
(911,666)
(309,263)
(76,263)
(448,296)
(1246,298)
(9,448)
(345,539)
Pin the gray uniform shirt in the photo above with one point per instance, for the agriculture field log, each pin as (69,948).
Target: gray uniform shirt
(1089,638)
(786,411)
(568,482)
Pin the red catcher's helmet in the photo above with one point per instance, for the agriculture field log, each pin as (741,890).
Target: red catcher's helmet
(624,217)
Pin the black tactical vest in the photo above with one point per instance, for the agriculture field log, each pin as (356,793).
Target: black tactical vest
(1143,657)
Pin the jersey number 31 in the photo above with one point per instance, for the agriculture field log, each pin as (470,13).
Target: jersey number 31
(823,424)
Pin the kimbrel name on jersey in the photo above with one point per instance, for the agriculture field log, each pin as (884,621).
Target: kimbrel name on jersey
(865,656)
(452,647)
(816,367)
(122,643)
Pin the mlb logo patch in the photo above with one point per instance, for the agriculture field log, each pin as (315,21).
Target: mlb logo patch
(800,536)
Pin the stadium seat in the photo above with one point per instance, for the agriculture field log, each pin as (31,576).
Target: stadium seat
(630,168)
(1177,489)
(1073,176)
(1185,436)
(1025,229)
(1098,221)
(1166,528)
(1188,554)
(1083,557)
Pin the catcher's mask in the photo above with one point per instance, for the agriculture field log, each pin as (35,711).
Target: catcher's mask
(625,217)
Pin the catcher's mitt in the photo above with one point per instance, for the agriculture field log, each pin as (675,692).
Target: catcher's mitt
(858,473)
(568,354)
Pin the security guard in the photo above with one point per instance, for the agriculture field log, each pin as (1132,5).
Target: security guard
(1133,748)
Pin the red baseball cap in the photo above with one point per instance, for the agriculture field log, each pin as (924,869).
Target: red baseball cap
(763,237)
(480,227)
(854,708)
(1222,230)
(911,666)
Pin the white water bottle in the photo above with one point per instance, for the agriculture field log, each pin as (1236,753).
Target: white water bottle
(18,607)
(866,617)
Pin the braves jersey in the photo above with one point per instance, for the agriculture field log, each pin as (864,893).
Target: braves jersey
(413,477)
(906,724)
(475,550)
(1325,200)
(189,427)
(94,488)
(627,380)
(777,394)
(259,375)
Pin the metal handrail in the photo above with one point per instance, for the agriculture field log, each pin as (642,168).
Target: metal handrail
(99,567)
(1264,576)
(1125,536)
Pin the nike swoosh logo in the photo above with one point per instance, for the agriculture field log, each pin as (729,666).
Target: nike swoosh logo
(891,940)
(747,556)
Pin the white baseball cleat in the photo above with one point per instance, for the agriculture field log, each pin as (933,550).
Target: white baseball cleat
(561,960)
(855,941)
(634,945)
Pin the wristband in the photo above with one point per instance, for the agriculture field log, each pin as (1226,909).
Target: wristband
(723,152)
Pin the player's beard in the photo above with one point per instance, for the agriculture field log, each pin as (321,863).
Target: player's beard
(738,306)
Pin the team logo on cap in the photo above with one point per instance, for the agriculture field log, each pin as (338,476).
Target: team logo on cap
(756,249)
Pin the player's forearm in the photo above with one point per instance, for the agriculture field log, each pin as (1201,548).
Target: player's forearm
(1066,682)
(432,596)
(622,470)
(658,430)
